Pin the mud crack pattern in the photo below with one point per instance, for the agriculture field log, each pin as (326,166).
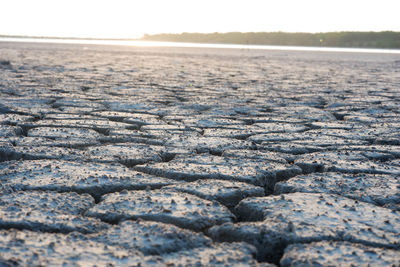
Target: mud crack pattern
(208,157)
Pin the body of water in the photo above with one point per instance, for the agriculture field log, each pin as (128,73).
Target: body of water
(200,45)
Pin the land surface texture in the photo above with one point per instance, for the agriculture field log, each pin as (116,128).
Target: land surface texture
(123,156)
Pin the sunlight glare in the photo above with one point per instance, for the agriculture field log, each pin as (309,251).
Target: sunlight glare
(132,19)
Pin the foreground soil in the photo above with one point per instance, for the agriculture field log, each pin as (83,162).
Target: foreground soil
(198,157)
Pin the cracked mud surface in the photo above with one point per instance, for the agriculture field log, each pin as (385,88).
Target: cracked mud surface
(181,156)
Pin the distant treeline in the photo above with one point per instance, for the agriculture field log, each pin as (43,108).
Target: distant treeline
(386,39)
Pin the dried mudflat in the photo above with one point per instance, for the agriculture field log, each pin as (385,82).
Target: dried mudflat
(338,254)
(205,166)
(96,179)
(207,157)
(277,221)
(48,211)
(181,209)
(25,248)
(379,189)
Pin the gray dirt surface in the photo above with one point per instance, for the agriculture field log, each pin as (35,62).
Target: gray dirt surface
(123,155)
(204,166)
(338,254)
(228,193)
(303,217)
(48,211)
(379,189)
(346,161)
(82,177)
(221,254)
(151,238)
(181,209)
(128,154)
(26,248)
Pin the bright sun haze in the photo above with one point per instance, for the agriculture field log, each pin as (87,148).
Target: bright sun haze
(132,19)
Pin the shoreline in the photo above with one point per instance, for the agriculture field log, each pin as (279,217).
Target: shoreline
(141,43)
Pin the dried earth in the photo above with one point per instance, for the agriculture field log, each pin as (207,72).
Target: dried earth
(198,157)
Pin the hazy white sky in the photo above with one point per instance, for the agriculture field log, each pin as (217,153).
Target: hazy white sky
(131,18)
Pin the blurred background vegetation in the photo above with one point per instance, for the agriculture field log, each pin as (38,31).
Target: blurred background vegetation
(386,39)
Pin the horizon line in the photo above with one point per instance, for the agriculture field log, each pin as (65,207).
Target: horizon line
(147,34)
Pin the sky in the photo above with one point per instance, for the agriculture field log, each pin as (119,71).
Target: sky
(132,18)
